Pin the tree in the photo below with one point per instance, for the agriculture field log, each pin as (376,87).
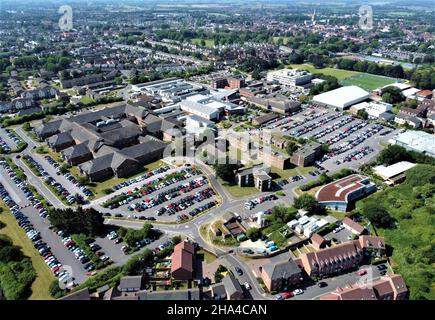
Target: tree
(176,240)
(87,221)
(225,171)
(309,203)
(27,127)
(253,233)
(283,214)
(136,263)
(377,214)
(392,95)
(362,114)
(291,147)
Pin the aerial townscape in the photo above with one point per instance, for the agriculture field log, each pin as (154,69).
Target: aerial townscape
(217,150)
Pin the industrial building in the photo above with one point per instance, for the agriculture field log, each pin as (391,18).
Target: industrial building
(419,141)
(394,173)
(374,109)
(342,98)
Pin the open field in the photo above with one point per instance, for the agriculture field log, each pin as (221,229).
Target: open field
(368,82)
(284,40)
(43,275)
(209,43)
(340,74)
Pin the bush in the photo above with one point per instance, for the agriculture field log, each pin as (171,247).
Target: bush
(55,291)
(16,271)
(253,233)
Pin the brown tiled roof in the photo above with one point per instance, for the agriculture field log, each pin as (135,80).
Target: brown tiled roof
(353,225)
(351,292)
(399,284)
(317,239)
(340,189)
(182,258)
(328,255)
(371,242)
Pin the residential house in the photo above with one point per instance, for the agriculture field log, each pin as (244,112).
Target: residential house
(281,276)
(182,261)
(233,289)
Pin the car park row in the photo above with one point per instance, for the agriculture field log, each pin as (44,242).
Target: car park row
(310,127)
(51,181)
(69,177)
(250,204)
(141,178)
(150,187)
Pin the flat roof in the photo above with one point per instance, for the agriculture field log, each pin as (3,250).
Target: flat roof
(394,169)
(417,140)
(343,96)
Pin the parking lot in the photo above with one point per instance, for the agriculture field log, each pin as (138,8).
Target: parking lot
(351,141)
(61,189)
(180,195)
(31,213)
(8,140)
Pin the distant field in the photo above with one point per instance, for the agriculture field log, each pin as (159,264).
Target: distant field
(209,43)
(340,74)
(368,81)
(284,39)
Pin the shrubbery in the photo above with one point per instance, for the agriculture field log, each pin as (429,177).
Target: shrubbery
(16,271)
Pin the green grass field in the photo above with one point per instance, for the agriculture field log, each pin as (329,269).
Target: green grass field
(368,81)
(209,43)
(340,74)
(284,40)
(44,277)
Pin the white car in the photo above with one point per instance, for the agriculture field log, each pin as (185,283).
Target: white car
(247,286)
(298,291)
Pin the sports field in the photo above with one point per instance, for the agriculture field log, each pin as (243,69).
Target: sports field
(368,82)
(340,74)
(209,43)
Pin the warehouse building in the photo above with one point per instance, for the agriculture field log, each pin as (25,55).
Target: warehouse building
(395,173)
(416,141)
(342,98)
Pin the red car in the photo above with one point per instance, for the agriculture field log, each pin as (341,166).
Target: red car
(362,272)
(288,295)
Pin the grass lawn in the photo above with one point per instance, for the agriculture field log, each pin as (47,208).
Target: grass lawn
(340,74)
(337,214)
(209,43)
(368,82)
(287,173)
(208,257)
(98,188)
(284,40)
(44,276)
(86,100)
(239,192)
